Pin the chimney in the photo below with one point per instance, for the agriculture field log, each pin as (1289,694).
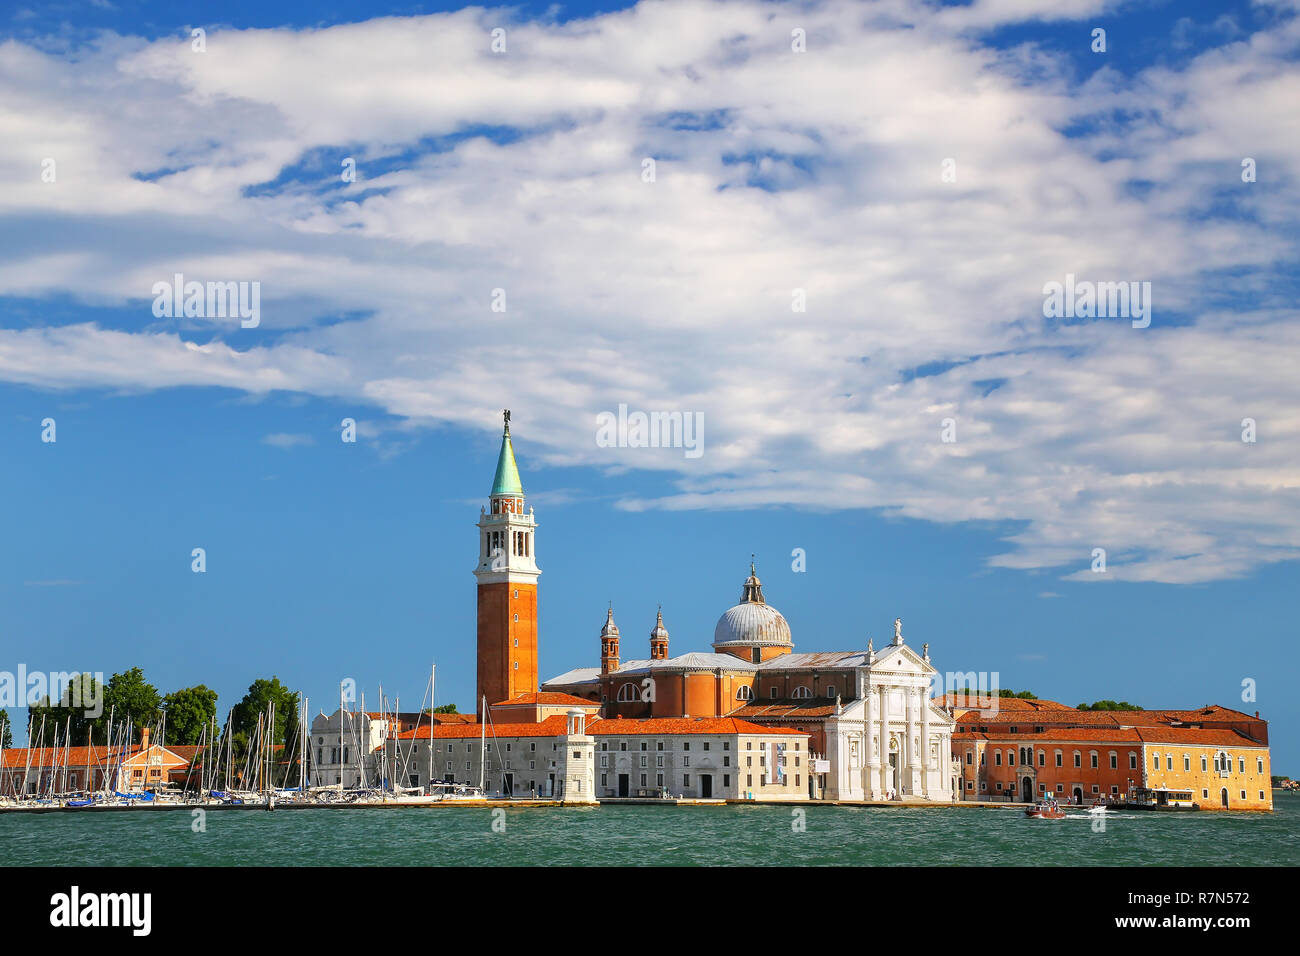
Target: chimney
(144,738)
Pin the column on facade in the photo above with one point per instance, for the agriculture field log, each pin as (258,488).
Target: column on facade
(925,745)
(882,708)
(909,746)
(871,774)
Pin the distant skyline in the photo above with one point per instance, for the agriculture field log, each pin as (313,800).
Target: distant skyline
(833,267)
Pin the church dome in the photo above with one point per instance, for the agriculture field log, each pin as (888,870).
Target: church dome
(753,622)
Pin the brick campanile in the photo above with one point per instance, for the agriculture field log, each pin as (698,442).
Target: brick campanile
(507,587)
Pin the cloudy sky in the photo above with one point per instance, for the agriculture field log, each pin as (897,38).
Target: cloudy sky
(915,176)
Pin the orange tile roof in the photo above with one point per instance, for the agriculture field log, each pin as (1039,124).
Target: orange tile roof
(683,725)
(1101,718)
(544,698)
(75,756)
(555,726)
(552,726)
(810,709)
(1190,736)
(1004,704)
(1194,735)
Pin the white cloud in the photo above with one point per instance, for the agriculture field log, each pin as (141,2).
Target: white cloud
(676,295)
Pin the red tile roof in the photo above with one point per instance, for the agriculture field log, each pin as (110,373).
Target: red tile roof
(1018,705)
(1190,736)
(546,698)
(683,725)
(555,726)
(49,756)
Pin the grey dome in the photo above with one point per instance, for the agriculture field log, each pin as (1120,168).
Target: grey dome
(753,624)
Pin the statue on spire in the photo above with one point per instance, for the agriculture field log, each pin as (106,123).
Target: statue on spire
(898,630)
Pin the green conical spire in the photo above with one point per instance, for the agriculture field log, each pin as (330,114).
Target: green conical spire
(507,481)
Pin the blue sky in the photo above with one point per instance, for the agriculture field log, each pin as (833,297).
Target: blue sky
(776,172)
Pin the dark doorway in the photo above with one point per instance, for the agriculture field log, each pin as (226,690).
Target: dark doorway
(623,784)
(706,786)
(508,785)
(551,791)
(1027,789)
(1078,795)
(1223,796)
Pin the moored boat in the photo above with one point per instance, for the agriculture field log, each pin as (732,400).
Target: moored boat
(1161,798)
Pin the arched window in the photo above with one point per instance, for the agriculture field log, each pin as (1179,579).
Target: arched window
(801,692)
(743,692)
(629,691)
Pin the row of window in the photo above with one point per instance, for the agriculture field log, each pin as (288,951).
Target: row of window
(1222,761)
(686,780)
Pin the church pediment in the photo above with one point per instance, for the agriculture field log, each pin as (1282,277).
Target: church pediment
(899,658)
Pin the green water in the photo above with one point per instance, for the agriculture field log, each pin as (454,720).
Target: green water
(649,835)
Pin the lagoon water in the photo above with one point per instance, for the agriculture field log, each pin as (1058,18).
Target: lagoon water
(735,835)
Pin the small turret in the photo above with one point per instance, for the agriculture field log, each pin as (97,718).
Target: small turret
(659,639)
(609,644)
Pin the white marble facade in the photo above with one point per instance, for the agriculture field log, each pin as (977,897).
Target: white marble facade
(893,741)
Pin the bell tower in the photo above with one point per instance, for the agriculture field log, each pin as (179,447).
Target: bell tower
(507,586)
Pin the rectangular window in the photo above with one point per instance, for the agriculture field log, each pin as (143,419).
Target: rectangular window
(1259,764)
(686,780)
(1058,758)
(1114,761)
(706,745)
(686,761)
(726,761)
(1187,762)
(726,780)
(997,757)
(1042,758)
(1241,765)
(1093,760)
(1133,761)
(1078,760)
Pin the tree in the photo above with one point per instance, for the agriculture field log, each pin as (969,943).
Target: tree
(189,710)
(260,693)
(6,731)
(1023,694)
(1108,705)
(445,709)
(70,714)
(128,696)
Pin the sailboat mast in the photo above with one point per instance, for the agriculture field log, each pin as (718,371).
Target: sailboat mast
(433,674)
(482,743)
